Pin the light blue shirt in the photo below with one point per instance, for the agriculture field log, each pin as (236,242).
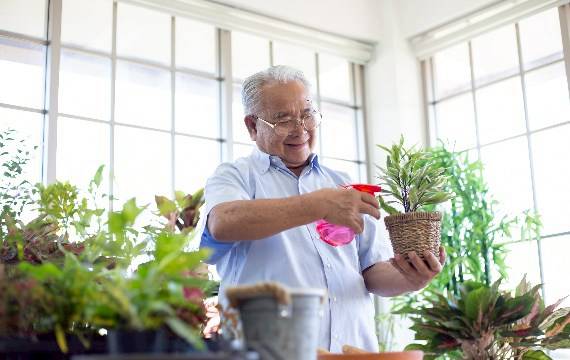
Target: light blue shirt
(297,257)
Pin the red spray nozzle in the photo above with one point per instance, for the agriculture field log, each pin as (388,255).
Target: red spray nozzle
(367,188)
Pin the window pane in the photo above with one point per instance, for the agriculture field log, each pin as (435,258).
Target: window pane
(239,128)
(82,146)
(143,33)
(456,122)
(540,37)
(297,57)
(338,131)
(250,54)
(143,96)
(28,126)
(500,110)
(200,158)
(452,71)
(87,23)
(552,171)
(22,74)
(507,172)
(142,164)
(334,77)
(522,258)
(195,45)
(495,54)
(197,106)
(547,96)
(24,16)
(556,284)
(241,150)
(348,167)
(85,85)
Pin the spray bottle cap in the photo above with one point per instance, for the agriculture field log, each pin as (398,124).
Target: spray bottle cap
(367,188)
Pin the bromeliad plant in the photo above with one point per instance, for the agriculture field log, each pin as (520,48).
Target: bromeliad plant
(485,323)
(412,180)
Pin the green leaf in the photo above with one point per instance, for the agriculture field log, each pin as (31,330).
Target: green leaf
(476,301)
(389,209)
(60,338)
(165,205)
(98,177)
(186,332)
(535,355)
(41,272)
(181,199)
(131,211)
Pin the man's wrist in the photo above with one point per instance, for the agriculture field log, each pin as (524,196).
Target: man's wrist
(313,204)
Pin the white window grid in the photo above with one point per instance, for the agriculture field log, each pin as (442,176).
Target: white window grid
(429,90)
(54,46)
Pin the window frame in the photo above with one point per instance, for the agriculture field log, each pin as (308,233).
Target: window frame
(430,102)
(53,52)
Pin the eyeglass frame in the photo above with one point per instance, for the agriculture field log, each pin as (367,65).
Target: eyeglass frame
(299,120)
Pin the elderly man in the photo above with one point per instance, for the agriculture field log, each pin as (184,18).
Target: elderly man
(261,212)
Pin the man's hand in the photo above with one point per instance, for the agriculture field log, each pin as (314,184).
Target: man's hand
(346,206)
(417,271)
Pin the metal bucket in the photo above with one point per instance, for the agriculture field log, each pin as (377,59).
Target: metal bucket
(283,332)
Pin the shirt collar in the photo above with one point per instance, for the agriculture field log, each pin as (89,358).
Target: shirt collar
(263,161)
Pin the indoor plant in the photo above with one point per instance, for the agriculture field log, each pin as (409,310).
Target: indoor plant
(411,181)
(73,269)
(473,235)
(483,322)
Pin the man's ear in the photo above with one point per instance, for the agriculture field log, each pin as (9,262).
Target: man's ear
(251,124)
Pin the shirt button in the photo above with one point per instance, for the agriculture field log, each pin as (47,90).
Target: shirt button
(329,266)
(335,336)
(334,298)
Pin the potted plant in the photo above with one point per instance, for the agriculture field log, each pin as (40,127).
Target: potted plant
(411,181)
(74,270)
(162,297)
(483,322)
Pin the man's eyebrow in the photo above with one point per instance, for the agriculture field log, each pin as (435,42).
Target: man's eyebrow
(280,114)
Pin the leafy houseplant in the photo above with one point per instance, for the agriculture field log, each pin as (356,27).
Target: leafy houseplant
(471,233)
(74,269)
(482,323)
(412,180)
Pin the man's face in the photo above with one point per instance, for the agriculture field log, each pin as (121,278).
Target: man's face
(281,101)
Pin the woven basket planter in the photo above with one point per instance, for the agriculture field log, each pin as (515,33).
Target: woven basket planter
(415,231)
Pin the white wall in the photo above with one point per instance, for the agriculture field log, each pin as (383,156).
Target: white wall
(416,16)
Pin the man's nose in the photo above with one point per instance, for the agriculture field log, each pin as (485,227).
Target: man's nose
(299,127)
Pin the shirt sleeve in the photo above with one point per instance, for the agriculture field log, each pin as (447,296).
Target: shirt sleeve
(227,184)
(373,245)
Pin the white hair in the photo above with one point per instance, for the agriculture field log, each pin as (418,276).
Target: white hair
(251,88)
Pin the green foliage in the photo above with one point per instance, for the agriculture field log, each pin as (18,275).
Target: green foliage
(483,322)
(15,191)
(472,234)
(411,179)
(76,268)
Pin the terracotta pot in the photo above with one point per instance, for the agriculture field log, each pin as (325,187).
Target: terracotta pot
(404,355)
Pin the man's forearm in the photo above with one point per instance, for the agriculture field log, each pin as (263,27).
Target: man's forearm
(258,219)
(383,279)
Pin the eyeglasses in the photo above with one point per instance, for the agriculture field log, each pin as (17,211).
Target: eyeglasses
(310,121)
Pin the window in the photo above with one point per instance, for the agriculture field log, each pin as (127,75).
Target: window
(503,96)
(145,92)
